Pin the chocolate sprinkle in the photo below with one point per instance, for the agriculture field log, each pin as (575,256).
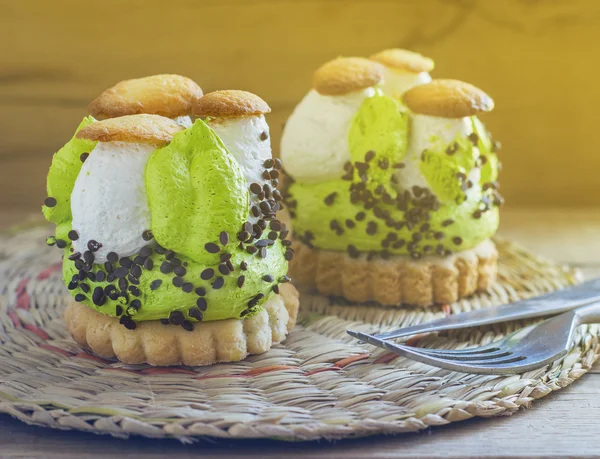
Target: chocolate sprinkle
(165,267)
(330,198)
(112,257)
(177,281)
(136,271)
(195,313)
(133,279)
(264,135)
(60,244)
(126,262)
(94,246)
(123,284)
(241,280)
(353,251)
(207,274)
(187,287)
(179,271)
(73,235)
(79,297)
(88,256)
(457,240)
(148,236)
(200,291)
(176,318)
(120,272)
(128,323)
(224,269)
(212,247)
(255,188)
(224,238)
(268,278)
(50,201)
(202,304)
(371,228)
(83,157)
(218,283)
(243,266)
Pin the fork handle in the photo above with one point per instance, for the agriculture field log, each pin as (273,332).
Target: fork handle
(547,305)
(589,314)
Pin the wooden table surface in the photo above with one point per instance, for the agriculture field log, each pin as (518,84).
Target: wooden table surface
(564,424)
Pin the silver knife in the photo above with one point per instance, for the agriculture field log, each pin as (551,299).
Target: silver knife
(539,306)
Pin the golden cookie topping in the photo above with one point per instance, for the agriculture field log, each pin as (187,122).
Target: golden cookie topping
(152,129)
(447,99)
(402,59)
(166,95)
(347,74)
(230,103)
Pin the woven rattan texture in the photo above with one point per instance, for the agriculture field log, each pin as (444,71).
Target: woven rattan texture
(319,383)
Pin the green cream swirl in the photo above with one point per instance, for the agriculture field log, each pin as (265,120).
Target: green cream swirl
(196,193)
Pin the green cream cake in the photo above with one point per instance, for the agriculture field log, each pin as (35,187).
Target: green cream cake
(393,194)
(171,246)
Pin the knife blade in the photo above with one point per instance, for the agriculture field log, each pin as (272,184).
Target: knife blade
(539,306)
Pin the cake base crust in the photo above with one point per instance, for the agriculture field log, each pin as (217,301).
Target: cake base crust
(397,280)
(151,342)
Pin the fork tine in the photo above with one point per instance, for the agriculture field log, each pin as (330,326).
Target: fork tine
(505,357)
(516,364)
(480,350)
(503,352)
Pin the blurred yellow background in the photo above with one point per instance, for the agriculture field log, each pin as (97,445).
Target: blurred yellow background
(539,60)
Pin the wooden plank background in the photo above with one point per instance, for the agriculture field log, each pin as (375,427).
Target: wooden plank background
(538,59)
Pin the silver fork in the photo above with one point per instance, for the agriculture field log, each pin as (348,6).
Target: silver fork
(526,349)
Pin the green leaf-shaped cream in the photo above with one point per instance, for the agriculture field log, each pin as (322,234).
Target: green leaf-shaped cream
(489,168)
(380,126)
(195,190)
(443,170)
(66,164)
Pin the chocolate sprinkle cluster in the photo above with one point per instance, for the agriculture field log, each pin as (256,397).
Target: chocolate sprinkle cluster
(123,273)
(266,200)
(416,206)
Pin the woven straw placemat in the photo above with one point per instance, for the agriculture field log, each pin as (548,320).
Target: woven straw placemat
(319,384)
